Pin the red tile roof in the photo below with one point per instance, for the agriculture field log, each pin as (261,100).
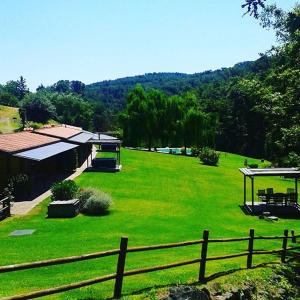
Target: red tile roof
(59,131)
(14,142)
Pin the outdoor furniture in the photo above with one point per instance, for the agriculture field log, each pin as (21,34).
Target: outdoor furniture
(63,209)
(104,163)
(261,194)
(109,147)
(277,198)
(290,191)
(291,198)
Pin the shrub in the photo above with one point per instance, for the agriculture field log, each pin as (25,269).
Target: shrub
(291,160)
(253,166)
(195,151)
(209,156)
(19,186)
(64,190)
(85,194)
(97,204)
(183,151)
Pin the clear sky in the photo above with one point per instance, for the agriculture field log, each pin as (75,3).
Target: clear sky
(94,40)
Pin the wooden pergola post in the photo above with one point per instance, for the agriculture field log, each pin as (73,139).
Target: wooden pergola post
(252,191)
(245,190)
(296,189)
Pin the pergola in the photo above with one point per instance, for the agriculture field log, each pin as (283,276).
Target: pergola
(107,143)
(282,172)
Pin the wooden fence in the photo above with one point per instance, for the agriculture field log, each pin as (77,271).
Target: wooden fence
(4,207)
(118,277)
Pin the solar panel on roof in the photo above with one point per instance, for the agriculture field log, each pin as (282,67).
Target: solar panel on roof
(46,151)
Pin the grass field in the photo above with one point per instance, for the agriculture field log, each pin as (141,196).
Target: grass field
(158,198)
(9,119)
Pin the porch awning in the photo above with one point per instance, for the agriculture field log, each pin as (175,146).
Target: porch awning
(100,138)
(44,152)
(82,137)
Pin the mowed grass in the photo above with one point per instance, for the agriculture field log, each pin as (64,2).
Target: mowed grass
(9,119)
(158,198)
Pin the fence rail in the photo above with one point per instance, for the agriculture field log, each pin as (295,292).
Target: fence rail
(123,250)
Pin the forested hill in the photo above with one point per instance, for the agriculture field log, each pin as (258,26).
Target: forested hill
(112,93)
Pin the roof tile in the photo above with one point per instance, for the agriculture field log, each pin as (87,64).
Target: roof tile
(13,142)
(59,131)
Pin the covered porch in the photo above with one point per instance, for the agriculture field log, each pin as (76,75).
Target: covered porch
(264,200)
(110,147)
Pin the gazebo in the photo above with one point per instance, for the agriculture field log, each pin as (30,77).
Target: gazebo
(108,144)
(270,200)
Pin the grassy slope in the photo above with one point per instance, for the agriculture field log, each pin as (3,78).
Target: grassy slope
(7,121)
(157,198)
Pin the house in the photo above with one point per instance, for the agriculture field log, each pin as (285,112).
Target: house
(44,155)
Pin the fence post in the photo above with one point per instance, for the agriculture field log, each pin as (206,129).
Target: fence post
(203,256)
(294,240)
(250,249)
(120,267)
(284,245)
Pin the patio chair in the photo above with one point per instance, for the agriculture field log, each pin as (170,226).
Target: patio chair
(291,198)
(290,191)
(270,191)
(261,194)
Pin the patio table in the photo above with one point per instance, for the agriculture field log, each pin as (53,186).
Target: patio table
(276,198)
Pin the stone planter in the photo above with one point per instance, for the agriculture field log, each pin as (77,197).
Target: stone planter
(63,209)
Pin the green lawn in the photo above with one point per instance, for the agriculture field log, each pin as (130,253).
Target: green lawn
(9,119)
(158,198)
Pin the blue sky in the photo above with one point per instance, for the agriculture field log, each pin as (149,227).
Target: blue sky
(95,40)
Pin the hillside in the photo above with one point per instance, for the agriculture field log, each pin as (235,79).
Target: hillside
(158,198)
(9,119)
(113,92)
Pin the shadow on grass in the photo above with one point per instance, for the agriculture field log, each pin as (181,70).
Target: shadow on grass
(282,212)
(195,283)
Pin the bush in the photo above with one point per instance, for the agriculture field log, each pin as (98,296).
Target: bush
(291,160)
(97,204)
(85,194)
(64,190)
(183,151)
(253,166)
(209,156)
(195,151)
(19,186)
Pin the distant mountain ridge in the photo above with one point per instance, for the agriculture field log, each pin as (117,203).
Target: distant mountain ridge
(112,93)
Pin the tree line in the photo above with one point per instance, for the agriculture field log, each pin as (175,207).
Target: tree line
(153,119)
(62,102)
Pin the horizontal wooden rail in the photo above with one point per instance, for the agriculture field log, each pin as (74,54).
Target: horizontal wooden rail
(267,251)
(227,256)
(4,208)
(4,199)
(164,246)
(123,250)
(57,261)
(62,288)
(270,237)
(228,240)
(293,248)
(163,267)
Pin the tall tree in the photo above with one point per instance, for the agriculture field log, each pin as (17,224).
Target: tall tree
(22,88)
